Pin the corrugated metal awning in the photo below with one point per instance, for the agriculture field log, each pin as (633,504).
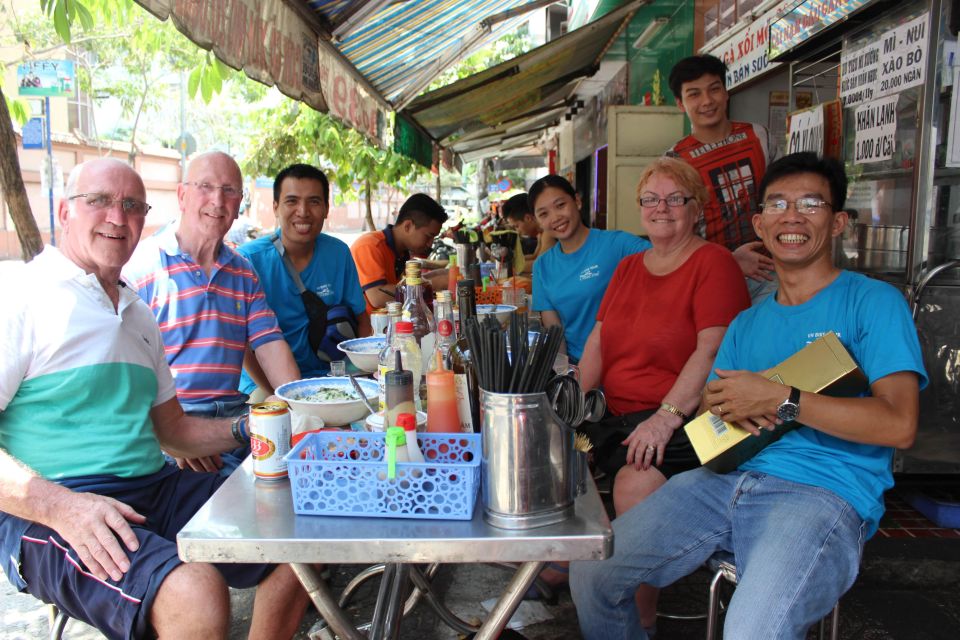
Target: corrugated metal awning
(508,105)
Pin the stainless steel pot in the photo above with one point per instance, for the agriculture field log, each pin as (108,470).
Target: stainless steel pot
(882,247)
(531,471)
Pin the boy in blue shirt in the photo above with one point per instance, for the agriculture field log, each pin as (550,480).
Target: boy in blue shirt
(796,516)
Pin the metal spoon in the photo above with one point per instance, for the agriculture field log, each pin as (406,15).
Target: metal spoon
(363,396)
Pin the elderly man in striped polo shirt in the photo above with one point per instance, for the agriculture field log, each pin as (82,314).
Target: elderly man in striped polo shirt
(208,301)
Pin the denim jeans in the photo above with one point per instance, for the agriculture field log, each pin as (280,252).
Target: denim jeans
(797,550)
(222,409)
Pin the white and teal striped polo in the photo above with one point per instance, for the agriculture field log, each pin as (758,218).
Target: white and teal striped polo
(77,379)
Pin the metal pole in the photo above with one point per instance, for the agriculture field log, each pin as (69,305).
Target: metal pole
(46,113)
(183,126)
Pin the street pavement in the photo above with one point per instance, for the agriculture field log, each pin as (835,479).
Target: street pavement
(907,590)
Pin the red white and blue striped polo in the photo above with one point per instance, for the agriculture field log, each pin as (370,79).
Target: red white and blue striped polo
(206,323)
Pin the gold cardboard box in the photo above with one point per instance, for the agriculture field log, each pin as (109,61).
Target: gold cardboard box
(821,366)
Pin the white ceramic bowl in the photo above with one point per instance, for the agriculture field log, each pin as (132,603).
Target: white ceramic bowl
(375,421)
(334,414)
(501,312)
(364,353)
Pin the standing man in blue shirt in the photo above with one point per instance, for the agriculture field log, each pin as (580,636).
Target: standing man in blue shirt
(796,515)
(301,196)
(570,279)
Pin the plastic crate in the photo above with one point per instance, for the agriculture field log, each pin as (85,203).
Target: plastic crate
(940,507)
(344,473)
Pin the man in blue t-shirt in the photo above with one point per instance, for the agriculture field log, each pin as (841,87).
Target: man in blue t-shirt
(301,195)
(570,279)
(796,516)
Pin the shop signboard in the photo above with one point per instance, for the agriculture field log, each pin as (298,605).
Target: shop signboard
(745,51)
(885,66)
(805,132)
(818,129)
(348,100)
(32,134)
(875,130)
(50,78)
(273,44)
(953,134)
(807,19)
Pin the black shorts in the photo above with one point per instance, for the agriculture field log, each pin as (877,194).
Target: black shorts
(54,574)
(609,454)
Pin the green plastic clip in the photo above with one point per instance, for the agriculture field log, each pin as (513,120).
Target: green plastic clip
(395,438)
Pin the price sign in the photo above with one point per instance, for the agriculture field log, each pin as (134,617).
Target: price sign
(876,128)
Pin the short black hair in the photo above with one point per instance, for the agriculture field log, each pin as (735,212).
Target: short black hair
(516,207)
(302,172)
(549,180)
(826,167)
(694,67)
(421,208)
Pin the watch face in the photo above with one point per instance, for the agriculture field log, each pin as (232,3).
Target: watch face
(788,411)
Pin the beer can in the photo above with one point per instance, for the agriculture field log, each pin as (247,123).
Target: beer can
(270,439)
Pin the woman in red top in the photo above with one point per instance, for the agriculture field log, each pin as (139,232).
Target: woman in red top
(658,329)
(657,332)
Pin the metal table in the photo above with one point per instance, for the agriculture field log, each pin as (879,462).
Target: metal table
(249,521)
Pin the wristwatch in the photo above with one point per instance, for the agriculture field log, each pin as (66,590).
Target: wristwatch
(789,409)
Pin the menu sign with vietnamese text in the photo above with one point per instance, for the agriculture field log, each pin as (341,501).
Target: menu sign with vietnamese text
(876,128)
(806,131)
(745,52)
(887,66)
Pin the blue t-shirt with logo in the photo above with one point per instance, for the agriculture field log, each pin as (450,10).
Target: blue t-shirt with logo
(873,323)
(573,284)
(331,274)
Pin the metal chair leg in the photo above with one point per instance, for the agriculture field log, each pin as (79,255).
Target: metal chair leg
(58,622)
(713,608)
(834,618)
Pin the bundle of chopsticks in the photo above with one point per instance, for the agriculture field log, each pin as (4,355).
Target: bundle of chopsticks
(528,366)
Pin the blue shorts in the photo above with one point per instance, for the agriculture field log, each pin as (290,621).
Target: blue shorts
(54,574)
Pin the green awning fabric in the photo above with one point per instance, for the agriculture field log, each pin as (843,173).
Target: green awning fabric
(526,92)
(411,142)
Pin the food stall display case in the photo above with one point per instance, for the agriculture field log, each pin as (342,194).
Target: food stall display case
(897,148)
(893,67)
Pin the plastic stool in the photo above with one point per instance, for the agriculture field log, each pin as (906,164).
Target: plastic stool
(721,563)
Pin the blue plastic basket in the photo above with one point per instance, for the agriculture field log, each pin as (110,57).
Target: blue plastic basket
(344,473)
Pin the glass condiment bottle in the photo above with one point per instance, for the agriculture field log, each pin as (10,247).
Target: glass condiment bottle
(446,329)
(398,390)
(416,311)
(386,358)
(404,342)
(461,363)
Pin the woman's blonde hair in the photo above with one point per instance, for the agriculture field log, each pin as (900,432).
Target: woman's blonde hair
(683,174)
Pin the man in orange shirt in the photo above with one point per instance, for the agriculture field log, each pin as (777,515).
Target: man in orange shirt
(380,255)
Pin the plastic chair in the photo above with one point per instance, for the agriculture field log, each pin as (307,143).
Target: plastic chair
(723,567)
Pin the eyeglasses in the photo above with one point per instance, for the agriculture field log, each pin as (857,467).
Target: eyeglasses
(207,189)
(675,200)
(804,206)
(103,201)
